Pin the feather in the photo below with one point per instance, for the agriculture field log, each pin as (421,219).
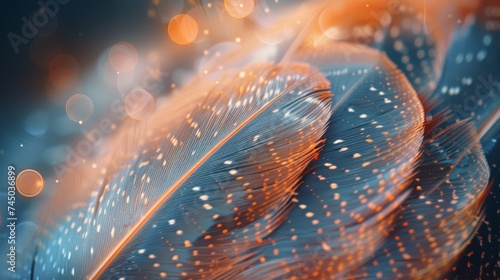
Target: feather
(321,166)
(442,60)
(239,153)
(411,33)
(470,85)
(347,200)
(441,215)
(469,88)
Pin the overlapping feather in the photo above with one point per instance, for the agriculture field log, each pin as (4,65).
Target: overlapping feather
(285,171)
(184,195)
(347,202)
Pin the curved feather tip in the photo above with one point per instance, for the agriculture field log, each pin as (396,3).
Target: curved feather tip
(345,160)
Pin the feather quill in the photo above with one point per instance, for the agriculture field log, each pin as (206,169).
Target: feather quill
(230,178)
(239,153)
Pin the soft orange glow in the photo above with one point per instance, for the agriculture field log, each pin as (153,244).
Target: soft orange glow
(123,57)
(139,104)
(79,108)
(63,71)
(239,8)
(183,29)
(29,183)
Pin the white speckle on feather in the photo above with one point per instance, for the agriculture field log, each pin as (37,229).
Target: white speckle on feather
(207,206)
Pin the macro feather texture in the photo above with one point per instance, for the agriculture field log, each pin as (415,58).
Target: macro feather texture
(347,201)
(145,221)
(342,161)
(441,214)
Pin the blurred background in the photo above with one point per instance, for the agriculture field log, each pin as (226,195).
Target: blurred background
(70,66)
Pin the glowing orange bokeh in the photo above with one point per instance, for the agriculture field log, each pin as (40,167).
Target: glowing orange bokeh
(239,8)
(63,71)
(29,183)
(183,29)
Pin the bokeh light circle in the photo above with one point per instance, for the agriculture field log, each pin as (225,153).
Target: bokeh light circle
(29,183)
(239,8)
(79,108)
(183,29)
(139,104)
(63,71)
(123,57)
